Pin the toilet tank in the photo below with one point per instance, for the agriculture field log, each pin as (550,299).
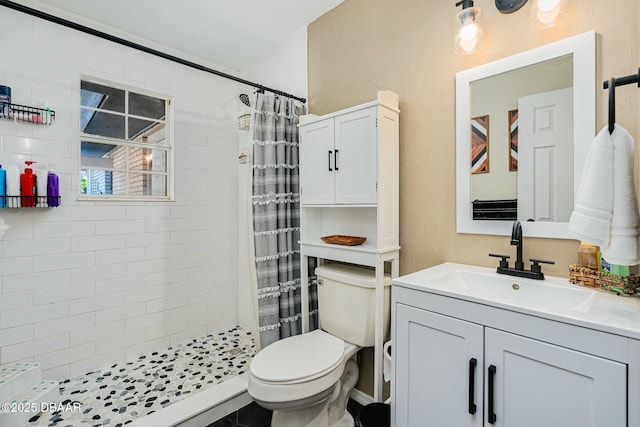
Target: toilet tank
(347,301)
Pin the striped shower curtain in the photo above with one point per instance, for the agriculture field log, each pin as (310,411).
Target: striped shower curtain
(276,219)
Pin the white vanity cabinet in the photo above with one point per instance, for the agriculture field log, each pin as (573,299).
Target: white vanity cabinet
(462,363)
(339,155)
(349,185)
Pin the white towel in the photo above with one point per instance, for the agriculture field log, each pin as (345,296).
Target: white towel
(606,211)
(591,217)
(623,242)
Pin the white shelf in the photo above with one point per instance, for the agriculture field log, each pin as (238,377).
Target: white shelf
(365,254)
(365,247)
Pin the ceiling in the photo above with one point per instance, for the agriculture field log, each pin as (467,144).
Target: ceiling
(229,33)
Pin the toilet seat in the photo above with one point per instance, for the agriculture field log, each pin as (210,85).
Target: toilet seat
(297,359)
(283,373)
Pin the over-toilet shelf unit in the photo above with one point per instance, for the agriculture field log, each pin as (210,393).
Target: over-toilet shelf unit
(349,162)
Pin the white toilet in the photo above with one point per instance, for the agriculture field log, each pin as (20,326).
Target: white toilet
(306,379)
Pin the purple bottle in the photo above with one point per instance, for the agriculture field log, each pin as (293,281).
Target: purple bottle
(53,190)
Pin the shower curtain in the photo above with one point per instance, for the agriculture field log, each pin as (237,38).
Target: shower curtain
(276,219)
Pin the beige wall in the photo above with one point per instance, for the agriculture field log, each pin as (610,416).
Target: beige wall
(406,46)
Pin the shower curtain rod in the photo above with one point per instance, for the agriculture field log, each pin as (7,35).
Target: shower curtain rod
(102,35)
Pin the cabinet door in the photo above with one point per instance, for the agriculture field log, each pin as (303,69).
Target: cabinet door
(436,383)
(317,160)
(538,384)
(356,155)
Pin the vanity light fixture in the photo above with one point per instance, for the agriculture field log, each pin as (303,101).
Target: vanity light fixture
(468,28)
(544,13)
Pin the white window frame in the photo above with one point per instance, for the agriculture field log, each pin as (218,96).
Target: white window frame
(168,145)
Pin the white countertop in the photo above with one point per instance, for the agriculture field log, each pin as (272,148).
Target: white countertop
(600,310)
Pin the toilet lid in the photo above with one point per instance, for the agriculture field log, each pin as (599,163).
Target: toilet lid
(298,357)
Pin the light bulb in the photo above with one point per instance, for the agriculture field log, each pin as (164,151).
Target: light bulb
(546,13)
(547,16)
(468,32)
(469,37)
(547,5)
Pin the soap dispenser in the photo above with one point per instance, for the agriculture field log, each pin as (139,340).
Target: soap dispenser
(53,188)
(28,186)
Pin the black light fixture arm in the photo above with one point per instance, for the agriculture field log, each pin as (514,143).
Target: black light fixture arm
(69,24)
(465,4)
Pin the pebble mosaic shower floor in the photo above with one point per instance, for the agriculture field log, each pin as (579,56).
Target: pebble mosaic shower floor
(117,395)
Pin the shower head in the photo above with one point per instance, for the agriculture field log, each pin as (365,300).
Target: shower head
(245,99)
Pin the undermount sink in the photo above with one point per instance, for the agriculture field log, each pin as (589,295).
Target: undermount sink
(516,291)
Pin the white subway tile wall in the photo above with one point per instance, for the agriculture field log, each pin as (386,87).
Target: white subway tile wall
(91,283)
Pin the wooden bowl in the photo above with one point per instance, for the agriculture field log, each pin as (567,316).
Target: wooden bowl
(337,239)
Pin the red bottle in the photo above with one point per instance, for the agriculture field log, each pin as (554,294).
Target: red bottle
(28,186)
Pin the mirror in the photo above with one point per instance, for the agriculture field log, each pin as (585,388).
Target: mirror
(523,127)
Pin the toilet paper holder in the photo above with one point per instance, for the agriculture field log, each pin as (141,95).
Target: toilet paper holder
(386,366)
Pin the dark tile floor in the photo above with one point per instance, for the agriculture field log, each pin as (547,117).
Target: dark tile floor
(254,415)
(354,408)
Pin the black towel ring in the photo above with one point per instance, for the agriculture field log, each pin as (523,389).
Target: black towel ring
(612,105)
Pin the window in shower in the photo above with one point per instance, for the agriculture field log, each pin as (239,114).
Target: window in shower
(125,143)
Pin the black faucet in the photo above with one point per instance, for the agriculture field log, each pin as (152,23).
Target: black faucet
(516,240)
(518,270)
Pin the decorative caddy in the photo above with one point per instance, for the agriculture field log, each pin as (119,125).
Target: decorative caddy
(620,285)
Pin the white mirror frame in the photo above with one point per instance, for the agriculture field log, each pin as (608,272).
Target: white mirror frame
(583,49)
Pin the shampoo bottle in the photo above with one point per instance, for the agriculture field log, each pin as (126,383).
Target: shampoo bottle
(41,187)
(13,186)
(28,186)
(53,189)
(3,187)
